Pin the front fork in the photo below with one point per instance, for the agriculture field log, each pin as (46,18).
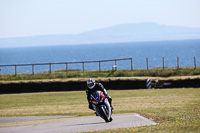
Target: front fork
(108,108)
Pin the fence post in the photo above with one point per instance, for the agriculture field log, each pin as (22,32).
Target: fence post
(116,64)
(50,68)
(147,63)
(15,70)
(177,62)
(66,67)
(32,68)
(163,63)
(83,67)
(131,63)
(99,66)
(195,63)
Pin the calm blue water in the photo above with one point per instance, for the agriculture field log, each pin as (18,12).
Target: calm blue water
(186,50)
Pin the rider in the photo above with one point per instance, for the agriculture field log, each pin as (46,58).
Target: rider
(94,86)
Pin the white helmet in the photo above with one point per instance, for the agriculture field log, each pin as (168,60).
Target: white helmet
(91,83)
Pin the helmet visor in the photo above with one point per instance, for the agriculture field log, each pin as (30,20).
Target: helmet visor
(90,85)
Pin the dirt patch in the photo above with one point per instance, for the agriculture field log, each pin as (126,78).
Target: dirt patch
(101,79)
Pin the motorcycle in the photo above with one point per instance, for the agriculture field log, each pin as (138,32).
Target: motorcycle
(101,105)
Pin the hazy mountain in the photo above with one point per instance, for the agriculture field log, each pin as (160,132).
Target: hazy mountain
(119,33)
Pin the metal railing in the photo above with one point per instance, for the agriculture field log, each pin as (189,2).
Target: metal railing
(68,63)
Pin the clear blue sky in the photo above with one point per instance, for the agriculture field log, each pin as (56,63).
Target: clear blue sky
(40,17)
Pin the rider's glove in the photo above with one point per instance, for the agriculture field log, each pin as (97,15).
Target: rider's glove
(109,98)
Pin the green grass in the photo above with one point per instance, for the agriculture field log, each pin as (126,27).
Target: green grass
(62,74)
(176,110)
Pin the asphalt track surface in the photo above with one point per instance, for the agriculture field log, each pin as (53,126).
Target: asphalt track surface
(67,124)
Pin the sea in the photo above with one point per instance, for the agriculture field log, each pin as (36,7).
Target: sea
(186,50)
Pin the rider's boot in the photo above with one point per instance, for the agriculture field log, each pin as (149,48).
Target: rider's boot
(96,114)
(110,101)
(112,108)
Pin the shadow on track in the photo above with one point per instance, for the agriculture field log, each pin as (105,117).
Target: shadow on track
(83,124)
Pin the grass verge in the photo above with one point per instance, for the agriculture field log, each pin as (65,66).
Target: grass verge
(176,110)
(155,72)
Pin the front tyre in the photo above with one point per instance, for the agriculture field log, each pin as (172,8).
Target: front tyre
(105,114)
(111,119)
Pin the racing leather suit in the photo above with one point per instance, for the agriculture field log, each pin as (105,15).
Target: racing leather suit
(100,87)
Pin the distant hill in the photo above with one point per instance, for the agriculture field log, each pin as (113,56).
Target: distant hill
(119,33)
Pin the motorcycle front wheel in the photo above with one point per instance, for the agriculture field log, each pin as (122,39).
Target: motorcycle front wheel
(105,115)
